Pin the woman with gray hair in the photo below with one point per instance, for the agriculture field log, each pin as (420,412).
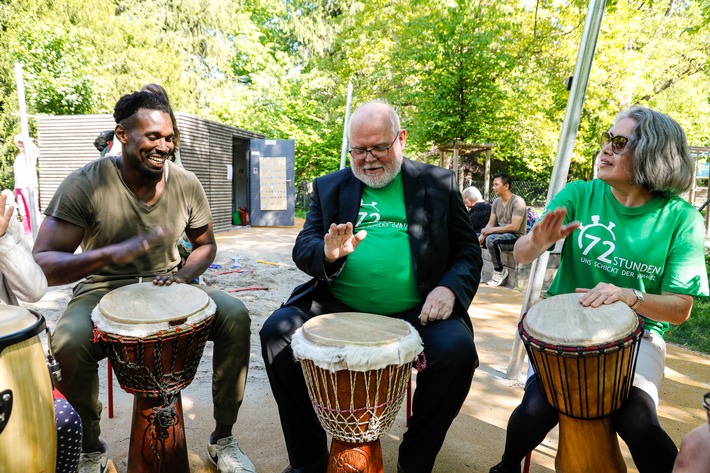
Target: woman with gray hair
(638,243)
(479,211)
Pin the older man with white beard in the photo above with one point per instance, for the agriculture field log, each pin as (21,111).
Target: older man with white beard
(386,236)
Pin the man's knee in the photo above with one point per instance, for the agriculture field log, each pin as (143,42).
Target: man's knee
(456,350)
(70,340)
(232,316)
(281,324)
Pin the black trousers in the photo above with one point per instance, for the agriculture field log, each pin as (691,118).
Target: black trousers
(442,386)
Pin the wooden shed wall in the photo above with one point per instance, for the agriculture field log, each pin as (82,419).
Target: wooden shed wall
(206,148)
(67,142)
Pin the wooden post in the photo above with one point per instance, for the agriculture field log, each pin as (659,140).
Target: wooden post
(487,175)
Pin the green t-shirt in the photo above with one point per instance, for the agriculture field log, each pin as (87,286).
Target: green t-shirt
(96,199)
(656,247)
(378,276)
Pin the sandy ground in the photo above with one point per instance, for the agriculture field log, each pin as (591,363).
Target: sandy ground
(475,440)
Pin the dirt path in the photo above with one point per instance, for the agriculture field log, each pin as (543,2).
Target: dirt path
(475,441)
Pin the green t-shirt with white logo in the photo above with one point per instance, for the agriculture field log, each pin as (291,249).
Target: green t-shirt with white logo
(656,247)
(378,276)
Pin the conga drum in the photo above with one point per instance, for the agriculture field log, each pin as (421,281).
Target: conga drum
(356,367)
(584,359)
(154,337)
(28,431)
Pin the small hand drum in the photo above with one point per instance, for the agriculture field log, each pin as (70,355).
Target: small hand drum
(28,431)
(356,367)
(155,336)
(585,360)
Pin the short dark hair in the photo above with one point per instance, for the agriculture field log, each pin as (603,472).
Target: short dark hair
(504,178)
(129,104)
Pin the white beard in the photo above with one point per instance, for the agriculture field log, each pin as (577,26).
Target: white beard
(378,182)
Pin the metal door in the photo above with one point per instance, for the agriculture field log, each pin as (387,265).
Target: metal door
(271,183)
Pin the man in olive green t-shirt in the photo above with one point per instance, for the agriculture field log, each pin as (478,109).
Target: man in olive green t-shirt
(107,208)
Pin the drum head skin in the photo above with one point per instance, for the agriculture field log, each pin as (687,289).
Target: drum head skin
(17,325)
(356,341)
(14,318)
(355,328)
(149,303)
(562,320)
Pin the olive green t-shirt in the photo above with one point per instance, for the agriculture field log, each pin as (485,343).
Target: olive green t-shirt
(95,198)
(378,276)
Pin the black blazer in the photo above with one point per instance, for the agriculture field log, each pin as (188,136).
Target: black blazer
(444,249)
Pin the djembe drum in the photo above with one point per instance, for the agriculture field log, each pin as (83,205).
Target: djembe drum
(585,359)
(28,431)
(155,336)
(356,367)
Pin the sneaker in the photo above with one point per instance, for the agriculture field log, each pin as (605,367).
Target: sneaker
(498,277)
(228,457)
(94,462)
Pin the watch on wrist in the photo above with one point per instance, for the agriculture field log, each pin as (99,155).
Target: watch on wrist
(639,299)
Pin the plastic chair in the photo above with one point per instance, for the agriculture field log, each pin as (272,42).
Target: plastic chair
(409,400)
(526,464)
(110,389)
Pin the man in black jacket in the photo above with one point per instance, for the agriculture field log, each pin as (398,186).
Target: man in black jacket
(386,236)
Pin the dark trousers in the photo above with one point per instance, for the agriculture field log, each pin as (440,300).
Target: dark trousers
(442,386)
(636,422)
(497,242)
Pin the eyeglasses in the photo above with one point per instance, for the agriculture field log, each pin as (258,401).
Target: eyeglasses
(377,152)
(618,143)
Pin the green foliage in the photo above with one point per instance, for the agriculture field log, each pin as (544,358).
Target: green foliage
(485,72)
(693,334)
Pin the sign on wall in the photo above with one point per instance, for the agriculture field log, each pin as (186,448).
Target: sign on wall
(272,185)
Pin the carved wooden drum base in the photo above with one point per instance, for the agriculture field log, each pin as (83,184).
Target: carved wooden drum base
(157,437)
(355,458)
(588,446)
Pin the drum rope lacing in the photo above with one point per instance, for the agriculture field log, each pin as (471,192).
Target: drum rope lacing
(584,382)
(137,376)
(356,420)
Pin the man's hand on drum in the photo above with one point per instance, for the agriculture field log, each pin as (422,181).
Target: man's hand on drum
(438,305)
(604,293)
(168,279)
(132,248)
(340,241)
(5,214)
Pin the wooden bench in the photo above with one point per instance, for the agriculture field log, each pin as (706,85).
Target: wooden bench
(518,274)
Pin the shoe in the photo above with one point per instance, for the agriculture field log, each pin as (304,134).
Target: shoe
(94,462)
(498,277)
(499,468)
(228,457)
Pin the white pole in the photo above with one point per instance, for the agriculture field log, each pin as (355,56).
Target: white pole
(346,121)
(585,55)
(27,148)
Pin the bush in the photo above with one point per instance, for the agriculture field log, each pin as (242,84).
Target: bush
(693,334)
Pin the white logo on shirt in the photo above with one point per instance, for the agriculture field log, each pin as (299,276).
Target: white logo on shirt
(603,238)
(592,240)
(374,216)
